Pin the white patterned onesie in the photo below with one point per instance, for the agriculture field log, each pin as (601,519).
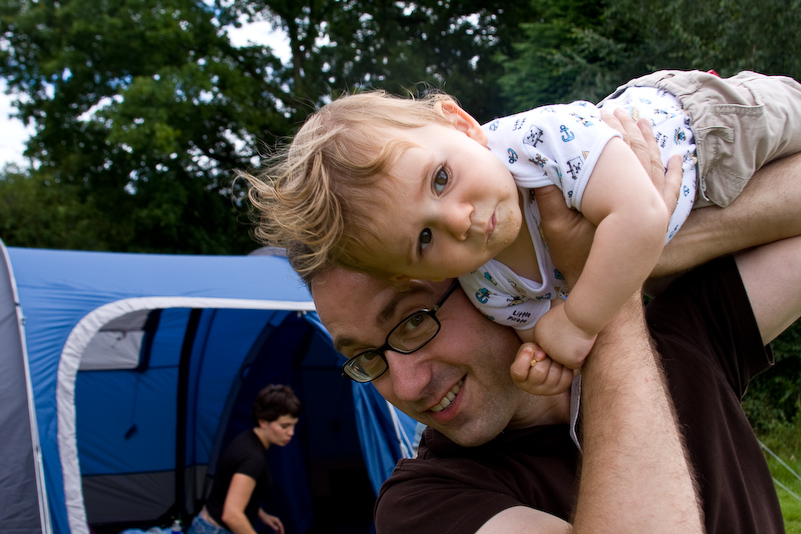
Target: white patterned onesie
(560,145)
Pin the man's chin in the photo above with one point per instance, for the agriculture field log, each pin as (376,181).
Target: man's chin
(467,438)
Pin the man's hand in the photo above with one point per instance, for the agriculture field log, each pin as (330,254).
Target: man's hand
(640,137)
(568,234)
(566,231)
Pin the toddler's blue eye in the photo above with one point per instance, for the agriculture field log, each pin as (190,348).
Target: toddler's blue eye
(440,180)
(425,238)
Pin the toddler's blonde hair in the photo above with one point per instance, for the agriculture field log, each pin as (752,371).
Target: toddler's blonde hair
(318,191)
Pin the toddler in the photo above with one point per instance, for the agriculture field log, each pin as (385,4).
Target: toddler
(405,188)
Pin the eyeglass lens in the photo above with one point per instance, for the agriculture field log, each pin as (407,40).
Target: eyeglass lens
(413,333)
(367,366)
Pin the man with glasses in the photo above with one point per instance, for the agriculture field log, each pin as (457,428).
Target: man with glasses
(409,335)
(496,459)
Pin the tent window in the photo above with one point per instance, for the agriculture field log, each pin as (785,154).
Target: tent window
(118,344)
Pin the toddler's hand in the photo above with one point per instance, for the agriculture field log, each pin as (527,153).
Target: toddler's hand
(563,341)
(533,371)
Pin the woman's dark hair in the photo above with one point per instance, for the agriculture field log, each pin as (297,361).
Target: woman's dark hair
(272,402)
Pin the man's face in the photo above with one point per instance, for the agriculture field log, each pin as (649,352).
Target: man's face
(459,383)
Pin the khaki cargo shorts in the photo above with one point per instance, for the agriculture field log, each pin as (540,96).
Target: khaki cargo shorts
(739,123)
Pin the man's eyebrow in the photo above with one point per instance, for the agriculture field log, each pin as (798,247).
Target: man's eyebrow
(389,310)
(386,314)
(340,344)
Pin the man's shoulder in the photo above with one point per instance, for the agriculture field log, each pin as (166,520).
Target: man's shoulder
(438,458)
(463,487)
(521,460)
(442,488)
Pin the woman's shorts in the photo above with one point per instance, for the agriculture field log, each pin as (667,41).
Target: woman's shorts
(201,526)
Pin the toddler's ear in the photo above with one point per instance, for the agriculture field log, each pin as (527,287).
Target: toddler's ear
(462,120)
(395,278)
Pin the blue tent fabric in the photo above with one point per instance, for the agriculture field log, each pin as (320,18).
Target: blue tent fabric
(118,394)
(376,433)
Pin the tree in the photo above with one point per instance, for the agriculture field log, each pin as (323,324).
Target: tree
(563,56)
(142,109)
(37,215)
(584,50)
(397,46)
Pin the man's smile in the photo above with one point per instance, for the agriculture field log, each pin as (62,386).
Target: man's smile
(449,397)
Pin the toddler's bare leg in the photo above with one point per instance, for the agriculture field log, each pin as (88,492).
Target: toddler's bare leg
(768,209)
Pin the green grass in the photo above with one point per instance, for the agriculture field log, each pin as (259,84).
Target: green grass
(785,442)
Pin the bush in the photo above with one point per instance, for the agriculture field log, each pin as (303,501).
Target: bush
(773,399)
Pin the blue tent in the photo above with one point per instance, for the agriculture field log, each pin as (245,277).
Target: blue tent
(123,376)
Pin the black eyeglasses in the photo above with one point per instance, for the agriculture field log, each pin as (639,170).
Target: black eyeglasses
(408,336)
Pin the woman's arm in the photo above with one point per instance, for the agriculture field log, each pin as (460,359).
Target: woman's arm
(239,493)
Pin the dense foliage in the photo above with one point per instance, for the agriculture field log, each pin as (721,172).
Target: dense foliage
(576,49)
(773,401)
(143,108)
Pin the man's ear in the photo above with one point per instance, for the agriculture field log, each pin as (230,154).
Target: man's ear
(461,120)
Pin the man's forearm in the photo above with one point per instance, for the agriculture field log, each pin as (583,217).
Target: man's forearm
(766,211)
(635,475)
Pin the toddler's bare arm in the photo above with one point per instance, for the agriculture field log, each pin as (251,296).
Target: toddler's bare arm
(631,220)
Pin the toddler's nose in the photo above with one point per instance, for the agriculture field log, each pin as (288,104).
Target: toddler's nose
(458,220)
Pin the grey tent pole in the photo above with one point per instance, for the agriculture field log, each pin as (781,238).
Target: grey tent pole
(23,500)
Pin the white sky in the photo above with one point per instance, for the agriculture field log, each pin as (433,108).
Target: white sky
(13,133)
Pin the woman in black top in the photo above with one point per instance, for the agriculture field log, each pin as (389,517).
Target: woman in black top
(243,478)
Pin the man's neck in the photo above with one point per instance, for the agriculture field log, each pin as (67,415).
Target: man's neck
(541,411)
